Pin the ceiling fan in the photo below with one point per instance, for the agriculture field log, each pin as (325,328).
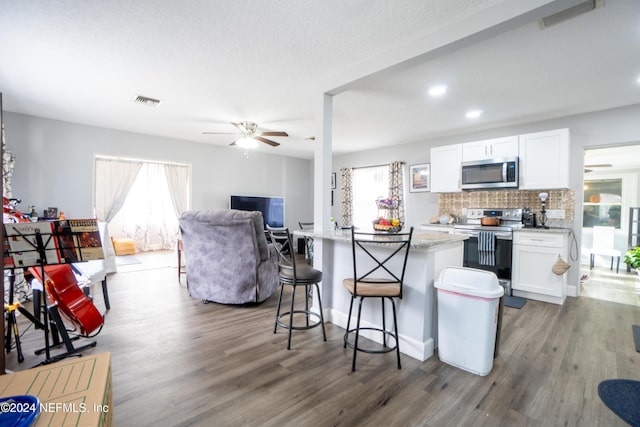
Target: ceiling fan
(249,135)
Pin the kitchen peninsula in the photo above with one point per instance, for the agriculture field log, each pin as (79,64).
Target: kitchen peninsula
(417,315)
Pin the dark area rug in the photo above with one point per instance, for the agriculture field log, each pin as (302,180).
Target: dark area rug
(514,302)
(623,398)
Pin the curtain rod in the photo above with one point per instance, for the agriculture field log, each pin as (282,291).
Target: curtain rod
(129,159)
(374,166)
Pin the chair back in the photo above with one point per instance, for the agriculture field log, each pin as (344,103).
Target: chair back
(603,237)
(308,241)
(378,251)
(281,241)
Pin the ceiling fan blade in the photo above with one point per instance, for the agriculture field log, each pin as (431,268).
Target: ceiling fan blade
(267,141)
(239,126)
(601,165)
(274,134)
(234,142)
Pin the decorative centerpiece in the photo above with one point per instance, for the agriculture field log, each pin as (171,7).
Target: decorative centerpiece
(387,220)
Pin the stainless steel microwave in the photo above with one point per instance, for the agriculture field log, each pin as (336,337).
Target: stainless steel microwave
(489,173)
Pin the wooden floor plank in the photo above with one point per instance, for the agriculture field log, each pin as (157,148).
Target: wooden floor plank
(179,362)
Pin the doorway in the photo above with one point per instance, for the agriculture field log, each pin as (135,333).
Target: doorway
(611,187)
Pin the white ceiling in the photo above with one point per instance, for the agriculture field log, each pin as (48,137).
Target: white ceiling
(212,62)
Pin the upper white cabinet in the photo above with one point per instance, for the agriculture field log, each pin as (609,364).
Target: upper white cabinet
(445,168)
(544,160)
(490,149)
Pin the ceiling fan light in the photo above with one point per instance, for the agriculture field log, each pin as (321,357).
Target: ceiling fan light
(246,142)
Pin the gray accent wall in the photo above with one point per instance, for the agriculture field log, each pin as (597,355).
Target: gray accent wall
(54,167)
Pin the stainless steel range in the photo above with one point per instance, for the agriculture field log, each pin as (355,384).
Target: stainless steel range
(499,237)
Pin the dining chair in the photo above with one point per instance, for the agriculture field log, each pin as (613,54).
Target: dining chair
(603,244)
(308,241)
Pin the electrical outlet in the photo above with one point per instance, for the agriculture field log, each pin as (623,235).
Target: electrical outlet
(555,214)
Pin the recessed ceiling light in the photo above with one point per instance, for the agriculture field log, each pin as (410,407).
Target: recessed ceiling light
(473,114)
(437,90)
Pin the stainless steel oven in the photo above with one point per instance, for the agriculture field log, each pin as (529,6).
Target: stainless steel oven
(502,250)
(502,246)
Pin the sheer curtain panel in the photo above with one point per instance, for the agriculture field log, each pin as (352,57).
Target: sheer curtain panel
(178,182)
(113,180)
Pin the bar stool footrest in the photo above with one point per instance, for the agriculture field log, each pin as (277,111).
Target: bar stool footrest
(371,351)
(317,321)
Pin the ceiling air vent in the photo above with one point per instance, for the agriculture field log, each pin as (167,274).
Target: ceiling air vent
(573,11)
(151,102)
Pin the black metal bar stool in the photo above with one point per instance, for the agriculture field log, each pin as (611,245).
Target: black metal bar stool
(295,275)
(381,280)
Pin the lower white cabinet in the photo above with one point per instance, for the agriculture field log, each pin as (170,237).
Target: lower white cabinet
(534,254)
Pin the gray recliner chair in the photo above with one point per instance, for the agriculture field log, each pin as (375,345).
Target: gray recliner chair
(227,256)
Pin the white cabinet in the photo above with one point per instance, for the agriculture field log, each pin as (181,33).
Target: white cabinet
(544,160)
(490,149)
(445,168)
(534,254)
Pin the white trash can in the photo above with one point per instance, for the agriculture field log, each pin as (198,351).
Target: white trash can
(468,310)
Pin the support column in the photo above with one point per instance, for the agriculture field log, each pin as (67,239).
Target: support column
(323,163)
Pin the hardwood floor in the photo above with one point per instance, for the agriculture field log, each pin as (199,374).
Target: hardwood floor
(605,284)
(179,362)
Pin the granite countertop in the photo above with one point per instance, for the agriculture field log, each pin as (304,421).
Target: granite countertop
(438,225)
(553,230)
(420,240)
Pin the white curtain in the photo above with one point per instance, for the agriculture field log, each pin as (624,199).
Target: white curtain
(148,215)
(178,182)
(113,180)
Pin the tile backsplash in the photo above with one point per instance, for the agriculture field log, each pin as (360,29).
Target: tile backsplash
(453,203)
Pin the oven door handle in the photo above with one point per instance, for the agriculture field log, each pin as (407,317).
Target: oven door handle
(500,236)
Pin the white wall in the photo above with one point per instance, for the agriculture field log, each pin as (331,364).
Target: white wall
(619,126)
(54,167)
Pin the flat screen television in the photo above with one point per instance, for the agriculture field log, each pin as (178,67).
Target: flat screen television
(272,208)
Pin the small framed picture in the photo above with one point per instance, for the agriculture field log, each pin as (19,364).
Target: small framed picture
(420,178)
(52,212)
(333,181)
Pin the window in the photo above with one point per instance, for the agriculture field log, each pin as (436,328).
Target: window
(141,199)
(369,183)
(602,202)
